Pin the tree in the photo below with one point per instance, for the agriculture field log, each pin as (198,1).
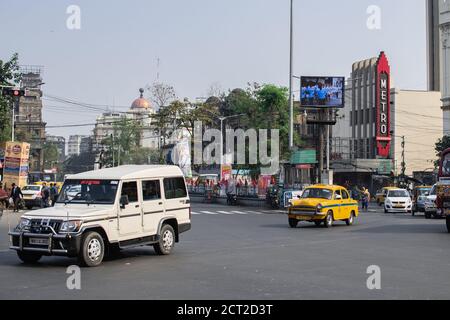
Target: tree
(441,145)
(51,155)
(9,76)
(161,94)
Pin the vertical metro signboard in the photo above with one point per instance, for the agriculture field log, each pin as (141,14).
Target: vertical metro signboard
(383,100)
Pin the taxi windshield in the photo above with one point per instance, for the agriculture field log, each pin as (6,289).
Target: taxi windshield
(423,191)
(398,194)
(317,193)
(89,191)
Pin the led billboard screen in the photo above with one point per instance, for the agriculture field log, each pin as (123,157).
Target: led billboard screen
(322,92)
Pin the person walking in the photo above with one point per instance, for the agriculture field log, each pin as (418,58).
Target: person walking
(365,199)
(16,196)
(45,195)
(53,194)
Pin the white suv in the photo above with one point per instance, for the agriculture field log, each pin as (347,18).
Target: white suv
(116,208)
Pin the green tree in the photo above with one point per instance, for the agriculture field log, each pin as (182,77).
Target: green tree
(9,76)
(51,156)
(441,145)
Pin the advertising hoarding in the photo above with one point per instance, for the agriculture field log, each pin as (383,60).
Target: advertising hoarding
(383,105)
(322,92)
(16,165)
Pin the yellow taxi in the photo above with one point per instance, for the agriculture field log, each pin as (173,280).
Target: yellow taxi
(381,195)
(323,204)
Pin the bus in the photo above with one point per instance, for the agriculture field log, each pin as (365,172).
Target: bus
(443,187)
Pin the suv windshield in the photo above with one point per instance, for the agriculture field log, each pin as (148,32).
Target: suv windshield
(89,191)
(398,194)
(433,191)
(317,194)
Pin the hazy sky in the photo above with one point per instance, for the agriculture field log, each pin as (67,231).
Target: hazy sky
(200,42)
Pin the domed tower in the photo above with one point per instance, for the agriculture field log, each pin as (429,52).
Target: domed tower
(141,104)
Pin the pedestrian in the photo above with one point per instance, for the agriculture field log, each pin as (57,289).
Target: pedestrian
(53,194)
(16,196)
(365,199)
(45,195)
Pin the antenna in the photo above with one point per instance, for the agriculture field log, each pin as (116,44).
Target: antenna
(158,62)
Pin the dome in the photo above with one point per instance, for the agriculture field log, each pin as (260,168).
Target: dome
(140,103)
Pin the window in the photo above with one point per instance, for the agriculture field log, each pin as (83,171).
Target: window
(345,194)
(151,190)
(337,194)
(175,188)
(130,189)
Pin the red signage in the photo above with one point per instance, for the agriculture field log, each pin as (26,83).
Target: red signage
(383,97)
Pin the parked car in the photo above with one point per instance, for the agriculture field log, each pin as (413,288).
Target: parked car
(32,196)
(323,204)
(398,201)
(117,208)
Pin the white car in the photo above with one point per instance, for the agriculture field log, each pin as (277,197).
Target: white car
(398,201)
(430,204)
(32,196)
(117,208)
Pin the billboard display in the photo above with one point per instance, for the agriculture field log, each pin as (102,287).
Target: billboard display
(322,92)
(383,105)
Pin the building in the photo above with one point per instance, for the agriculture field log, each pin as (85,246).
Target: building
(438,54)
(444,24)
(433,46)
(60,143)
(367,139)
(29,125)
(140,113)
(75,145)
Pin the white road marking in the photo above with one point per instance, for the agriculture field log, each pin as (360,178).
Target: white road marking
(239,212)
(209,212)
(225,212)
(255,212)
(195,213)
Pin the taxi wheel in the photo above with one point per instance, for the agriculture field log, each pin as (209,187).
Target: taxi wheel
(350,221)
(318,223)
(329,220)
(293,223)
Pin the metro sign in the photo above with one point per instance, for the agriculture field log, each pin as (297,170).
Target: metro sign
(383,103)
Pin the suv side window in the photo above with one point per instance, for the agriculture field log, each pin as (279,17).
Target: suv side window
(151,190)
(175,188)
(130,189)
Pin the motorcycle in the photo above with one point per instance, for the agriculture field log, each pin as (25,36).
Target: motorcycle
(232,199)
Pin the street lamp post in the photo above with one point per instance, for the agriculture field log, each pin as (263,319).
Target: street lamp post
(291,99)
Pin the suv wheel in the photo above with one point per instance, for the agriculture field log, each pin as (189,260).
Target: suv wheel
(92,249)
(166,242)
(29,257)
(447,221)
(427,215)
(329,220)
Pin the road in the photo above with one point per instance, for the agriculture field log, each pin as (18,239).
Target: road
(251,253)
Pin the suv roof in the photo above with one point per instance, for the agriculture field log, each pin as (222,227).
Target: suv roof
(129,172)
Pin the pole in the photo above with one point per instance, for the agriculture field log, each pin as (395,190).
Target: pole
(221,142)
(291,100)
(13,120)
(328,148)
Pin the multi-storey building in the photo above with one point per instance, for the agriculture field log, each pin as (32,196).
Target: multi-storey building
(60,143)
(29,125)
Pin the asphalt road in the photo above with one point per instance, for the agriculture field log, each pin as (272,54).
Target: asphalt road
(253,254)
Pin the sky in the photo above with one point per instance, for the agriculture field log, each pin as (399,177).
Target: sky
(200,43)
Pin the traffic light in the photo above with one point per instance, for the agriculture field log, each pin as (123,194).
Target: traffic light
(11,92)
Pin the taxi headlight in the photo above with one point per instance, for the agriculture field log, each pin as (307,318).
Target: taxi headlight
(319,208)
(70,226)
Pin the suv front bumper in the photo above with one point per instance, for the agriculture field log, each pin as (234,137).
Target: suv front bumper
(58,245)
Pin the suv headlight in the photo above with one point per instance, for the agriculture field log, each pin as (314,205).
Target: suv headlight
(70,226)
(23,223)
